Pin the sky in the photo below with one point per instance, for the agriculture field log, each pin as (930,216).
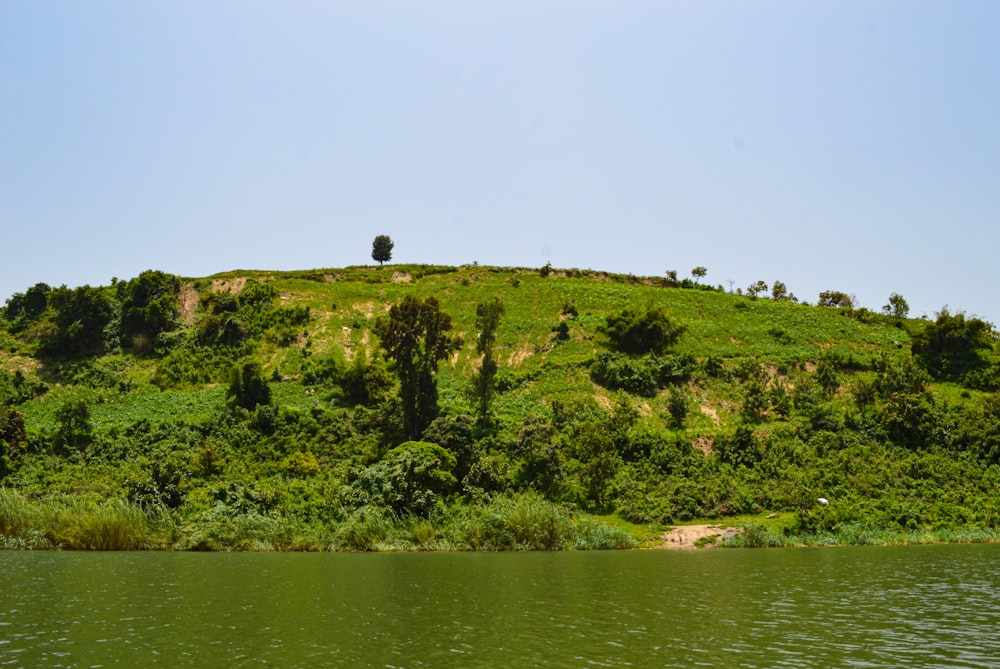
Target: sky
(848,145)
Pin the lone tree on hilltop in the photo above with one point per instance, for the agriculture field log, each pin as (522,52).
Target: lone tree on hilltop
(699,273)
(382,248)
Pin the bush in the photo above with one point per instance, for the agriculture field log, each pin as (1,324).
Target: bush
(409,479)
(645,375)
(640,333)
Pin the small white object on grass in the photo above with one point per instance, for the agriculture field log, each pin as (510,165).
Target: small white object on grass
(823,500)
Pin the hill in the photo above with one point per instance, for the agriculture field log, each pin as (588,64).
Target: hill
(305,410)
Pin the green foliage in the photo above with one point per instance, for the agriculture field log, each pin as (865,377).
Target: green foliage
(248,387)
(756,288)
(826,376)
(23,309)
(950,347)
(645,375)
(148,307)
(80,317)
(411,478)
(382,249)
(637,333)
(487,321)
(16,388)
(415,337)
(835,298)
(897,307)
(740,448)
(677,404)
(13,439)
(75,431)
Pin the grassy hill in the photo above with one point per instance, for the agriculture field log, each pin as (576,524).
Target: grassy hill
(133,435)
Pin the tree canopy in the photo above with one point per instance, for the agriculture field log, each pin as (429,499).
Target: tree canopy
(415,336)
(950,346)
(638,333)
(382,248)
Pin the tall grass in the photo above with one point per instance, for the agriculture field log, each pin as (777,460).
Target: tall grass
(755,535)
(82,525)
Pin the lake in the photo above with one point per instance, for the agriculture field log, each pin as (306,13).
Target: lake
(914,606)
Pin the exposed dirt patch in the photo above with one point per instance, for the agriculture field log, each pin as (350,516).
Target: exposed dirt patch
(693,536)
(705,444)
(519,355)
(402,277)
(234,286)
(187,303)
(710,412)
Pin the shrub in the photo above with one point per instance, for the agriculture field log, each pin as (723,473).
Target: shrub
(640,333)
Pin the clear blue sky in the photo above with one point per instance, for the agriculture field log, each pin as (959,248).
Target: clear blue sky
(852,146)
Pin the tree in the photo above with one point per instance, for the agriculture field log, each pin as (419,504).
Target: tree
(80,316)
(75,431)
(248,387)
(148,307)
(382,249)
(25,308)
(635,333)
(487,320)
(835,298)
(755,289)
(779,291)
(897,307)
(409,479)
(415,337)
(13,439)
(699,273)
(950,346)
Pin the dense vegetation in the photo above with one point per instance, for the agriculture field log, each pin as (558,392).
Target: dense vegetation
(485,408)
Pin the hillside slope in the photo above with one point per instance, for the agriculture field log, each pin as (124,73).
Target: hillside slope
(758,406)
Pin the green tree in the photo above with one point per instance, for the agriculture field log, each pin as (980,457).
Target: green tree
(826,376)
(75,431)
(382,249)
(699,273)
(487,321)
(678,400)
(13,439)
(80,317)
(248,387)
(148,307)
(950,346)
(409,479)
(25,308)
(415,337)
(639,333)
(779,291)
(897,307)
(835,298)
(756,288)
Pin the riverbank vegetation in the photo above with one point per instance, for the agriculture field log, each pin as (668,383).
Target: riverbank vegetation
(482,408)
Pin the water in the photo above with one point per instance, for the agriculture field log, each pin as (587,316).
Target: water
(921,606)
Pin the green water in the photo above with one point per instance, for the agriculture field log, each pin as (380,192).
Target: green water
(921,606)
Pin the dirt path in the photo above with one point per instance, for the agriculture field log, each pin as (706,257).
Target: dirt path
(688,536)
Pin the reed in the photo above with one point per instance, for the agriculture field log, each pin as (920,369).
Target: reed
(16,516)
